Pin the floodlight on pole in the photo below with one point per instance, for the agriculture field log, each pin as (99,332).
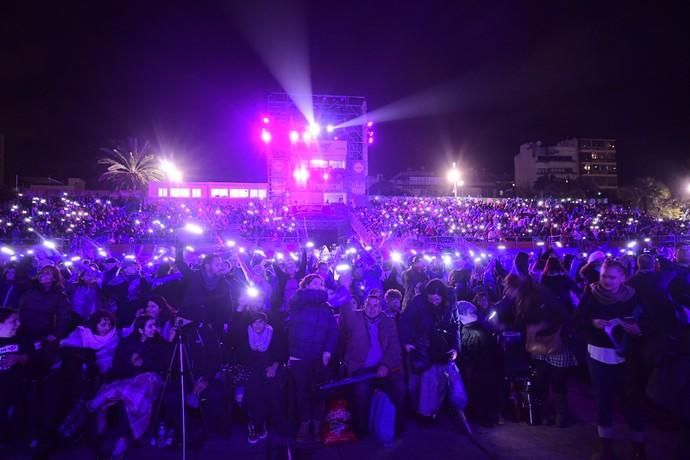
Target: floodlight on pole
(455,179)
(170,170)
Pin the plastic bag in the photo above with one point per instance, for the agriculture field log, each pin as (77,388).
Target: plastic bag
(456,388)
(338,425)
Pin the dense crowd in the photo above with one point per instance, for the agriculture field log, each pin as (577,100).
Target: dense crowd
(125,220)
(513,219)
(128,220)
(92,340)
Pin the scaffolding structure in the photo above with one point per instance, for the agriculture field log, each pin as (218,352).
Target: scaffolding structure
(334,110)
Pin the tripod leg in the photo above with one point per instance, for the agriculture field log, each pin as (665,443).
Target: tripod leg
(157,413)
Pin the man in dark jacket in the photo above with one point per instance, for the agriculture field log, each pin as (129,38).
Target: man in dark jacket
(207,293)
(412,277)
(370,343)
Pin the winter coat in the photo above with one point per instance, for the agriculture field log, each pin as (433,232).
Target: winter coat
(155,354)
(423,324)
(44,313)
(355,340)
(312,329)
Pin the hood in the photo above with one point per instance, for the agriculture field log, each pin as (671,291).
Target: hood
(306,297)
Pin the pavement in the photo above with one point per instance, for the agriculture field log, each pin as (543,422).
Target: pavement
(514,441)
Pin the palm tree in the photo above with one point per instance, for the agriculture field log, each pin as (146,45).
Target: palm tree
(131,167)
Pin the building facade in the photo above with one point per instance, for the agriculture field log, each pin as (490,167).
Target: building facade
(597,158)
(590,160)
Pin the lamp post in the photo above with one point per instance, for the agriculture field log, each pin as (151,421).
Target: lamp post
(454,178)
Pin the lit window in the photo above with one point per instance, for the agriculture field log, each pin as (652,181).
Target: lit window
(318,163)
(179,192)
(219,192)
(239,193)
(162,192)
(196,193)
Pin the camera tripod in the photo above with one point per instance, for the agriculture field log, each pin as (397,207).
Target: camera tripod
(180,361)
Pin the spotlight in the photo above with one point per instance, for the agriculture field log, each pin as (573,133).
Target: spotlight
(194,228)
(266,120)
(266,136)
(49,244)
(7,251)
(307,137)
(171,171)
(396,257)
(325,176)
(230,243)
(370,124)
(314,129)
(330,128)
(294,136)
(301,175)
(252,292)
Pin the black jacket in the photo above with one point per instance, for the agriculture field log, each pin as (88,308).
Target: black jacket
(312,328)
(155,354)
(422,324)
(44,313)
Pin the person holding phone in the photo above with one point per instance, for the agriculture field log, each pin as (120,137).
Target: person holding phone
(607,317)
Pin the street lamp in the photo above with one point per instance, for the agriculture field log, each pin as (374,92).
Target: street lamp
(455,179)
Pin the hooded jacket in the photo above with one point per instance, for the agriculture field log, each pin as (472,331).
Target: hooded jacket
(312,329)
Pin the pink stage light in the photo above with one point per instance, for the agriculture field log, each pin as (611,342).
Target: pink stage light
(326,176)
(266,120)
(294,136)
(370,124)
(301,175)
(266,136)
(371,140)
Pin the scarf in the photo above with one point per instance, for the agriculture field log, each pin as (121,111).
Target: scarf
(104,345)
(259,342)
(606,297)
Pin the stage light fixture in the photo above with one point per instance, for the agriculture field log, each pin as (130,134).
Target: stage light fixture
(330,128)
(301,175)
(294,136)
(266,136)
(314,129)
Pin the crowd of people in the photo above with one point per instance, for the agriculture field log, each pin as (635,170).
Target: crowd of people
(512,219)
(86,345)
(94,340)
(126,220)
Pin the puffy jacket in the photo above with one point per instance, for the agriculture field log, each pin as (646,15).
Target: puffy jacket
(312,329)
(44,313)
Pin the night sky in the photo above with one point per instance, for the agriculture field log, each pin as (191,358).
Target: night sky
(75,77)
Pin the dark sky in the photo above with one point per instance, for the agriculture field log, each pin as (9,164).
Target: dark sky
(77,76)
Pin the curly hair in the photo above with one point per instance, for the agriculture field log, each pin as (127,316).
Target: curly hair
(306,281)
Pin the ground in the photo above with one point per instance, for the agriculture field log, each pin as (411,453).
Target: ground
(514,441)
